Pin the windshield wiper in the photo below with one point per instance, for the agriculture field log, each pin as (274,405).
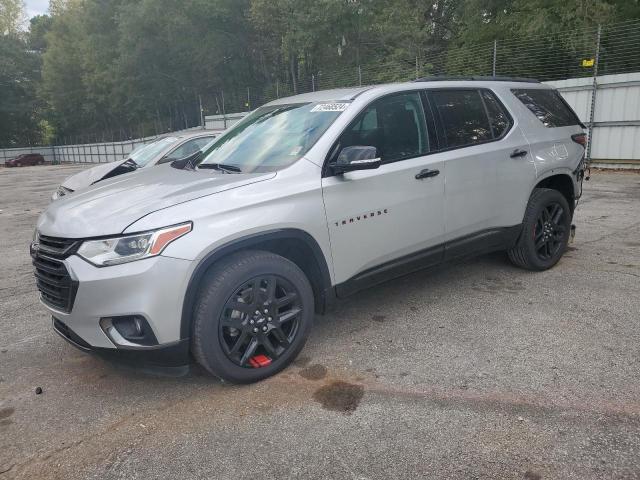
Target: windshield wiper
(221,167)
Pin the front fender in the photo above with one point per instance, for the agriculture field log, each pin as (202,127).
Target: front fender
(244,243)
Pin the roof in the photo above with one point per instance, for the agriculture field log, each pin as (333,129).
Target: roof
(323,95)
(182,134)
(345,94)
(475,78)
(193,133)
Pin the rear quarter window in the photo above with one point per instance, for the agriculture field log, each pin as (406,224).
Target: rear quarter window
(498,117)
(548,106)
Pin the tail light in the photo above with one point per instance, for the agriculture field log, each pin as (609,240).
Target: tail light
(580,138)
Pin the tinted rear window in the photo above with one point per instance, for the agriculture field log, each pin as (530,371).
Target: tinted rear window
(548,106)
(463,117)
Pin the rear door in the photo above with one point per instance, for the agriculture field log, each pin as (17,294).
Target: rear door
(376,216)
(488,166)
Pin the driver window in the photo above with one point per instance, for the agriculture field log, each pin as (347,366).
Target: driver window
(395,125)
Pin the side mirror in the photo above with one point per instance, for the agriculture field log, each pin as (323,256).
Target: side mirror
(356,157)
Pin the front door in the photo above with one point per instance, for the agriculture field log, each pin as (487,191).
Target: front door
(377,216)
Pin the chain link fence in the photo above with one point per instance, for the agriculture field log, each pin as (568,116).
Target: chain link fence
(580,53)
(603,50)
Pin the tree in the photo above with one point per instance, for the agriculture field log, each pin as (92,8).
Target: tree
(170,54)
(307,36)
(39,26)
(18,103)
(63,72)
(134,67)
(11,16)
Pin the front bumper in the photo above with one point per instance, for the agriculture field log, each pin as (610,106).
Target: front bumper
(152,288)
(173,356)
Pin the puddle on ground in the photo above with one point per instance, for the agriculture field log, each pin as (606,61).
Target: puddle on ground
(302,361)
(495,285)
(314,372)
(6,412)
(340,396)
(529,475)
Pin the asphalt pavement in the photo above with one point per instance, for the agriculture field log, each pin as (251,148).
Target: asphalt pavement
(476,370)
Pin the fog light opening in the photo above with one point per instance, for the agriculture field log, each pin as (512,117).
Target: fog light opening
(129,331)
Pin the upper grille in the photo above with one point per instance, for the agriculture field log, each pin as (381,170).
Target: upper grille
(57,247)
(57,288)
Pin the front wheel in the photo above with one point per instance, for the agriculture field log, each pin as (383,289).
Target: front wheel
(252,316)
(545,232)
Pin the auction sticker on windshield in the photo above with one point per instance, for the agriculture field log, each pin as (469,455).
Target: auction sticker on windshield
(330,107)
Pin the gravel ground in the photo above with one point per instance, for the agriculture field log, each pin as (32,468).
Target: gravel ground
(478,370)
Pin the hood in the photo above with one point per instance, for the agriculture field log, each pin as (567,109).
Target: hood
(110,206)
(86,178)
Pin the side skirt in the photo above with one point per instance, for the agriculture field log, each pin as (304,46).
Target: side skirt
(479,243)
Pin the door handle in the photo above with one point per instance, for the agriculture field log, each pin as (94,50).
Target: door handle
(518,153)
(426,173)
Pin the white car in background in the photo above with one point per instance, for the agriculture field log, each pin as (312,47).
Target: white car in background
(166,149)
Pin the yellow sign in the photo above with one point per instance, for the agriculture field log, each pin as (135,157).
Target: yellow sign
(588,62)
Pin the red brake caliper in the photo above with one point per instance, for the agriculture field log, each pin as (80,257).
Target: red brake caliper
(259,361)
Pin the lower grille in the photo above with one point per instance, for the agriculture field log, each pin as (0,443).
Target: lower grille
(57,288)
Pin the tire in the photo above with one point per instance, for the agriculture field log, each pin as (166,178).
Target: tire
(543,240)
(232,304)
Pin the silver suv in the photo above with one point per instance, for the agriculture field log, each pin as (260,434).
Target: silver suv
(228,256)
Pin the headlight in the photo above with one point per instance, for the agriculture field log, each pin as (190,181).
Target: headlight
(113,251)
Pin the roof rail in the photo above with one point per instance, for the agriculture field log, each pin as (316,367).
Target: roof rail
(445,78)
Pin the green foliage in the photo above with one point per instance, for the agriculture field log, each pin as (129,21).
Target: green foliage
(134,67)
(39,26)
(11,16)
(18,104)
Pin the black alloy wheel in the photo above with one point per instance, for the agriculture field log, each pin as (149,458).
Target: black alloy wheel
(549,231)
(260,321)
(252,316)
(545,231)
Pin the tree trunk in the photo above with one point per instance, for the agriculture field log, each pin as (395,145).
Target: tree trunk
(294,79)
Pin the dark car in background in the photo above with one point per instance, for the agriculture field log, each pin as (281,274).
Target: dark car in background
(25,159)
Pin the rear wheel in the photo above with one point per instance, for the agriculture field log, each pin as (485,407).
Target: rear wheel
(252,317)
(545,233)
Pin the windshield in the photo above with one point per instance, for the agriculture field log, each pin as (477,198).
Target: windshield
(273,137)
(151,151)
